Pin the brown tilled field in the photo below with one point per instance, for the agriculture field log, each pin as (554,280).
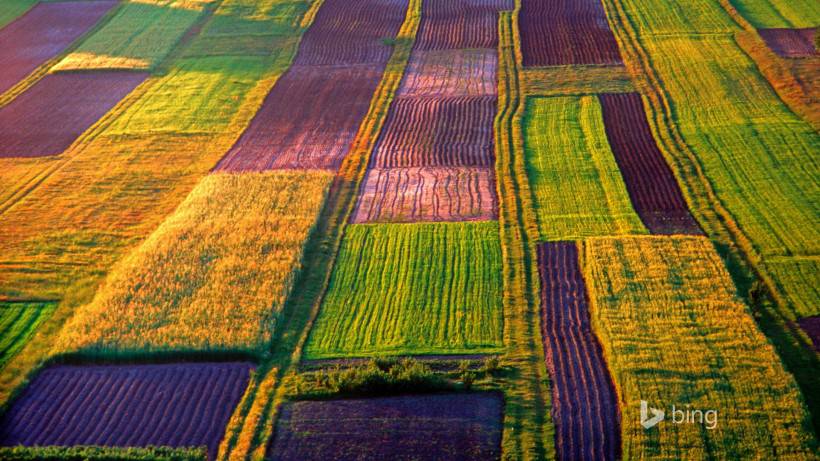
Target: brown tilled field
(655,193)
(560,32)
(791,43)
(451,73)
(416,194)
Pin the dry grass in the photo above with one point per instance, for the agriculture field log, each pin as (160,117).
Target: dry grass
(213,276)
(674,332)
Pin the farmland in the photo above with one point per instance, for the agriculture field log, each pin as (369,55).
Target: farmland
(33,47)
(405,427)
(409,229)
(231,230)
(568,157)
(382,300)
(127,406)
(673,330)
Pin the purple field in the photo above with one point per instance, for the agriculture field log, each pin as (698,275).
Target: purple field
(37,37)
(176,405)
(460,24)
(432,427)
(49,116)
(790,43)
(584,403)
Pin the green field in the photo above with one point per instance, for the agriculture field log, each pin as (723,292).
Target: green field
(412,289)
(674,332)
(18,321)
(138,36)
(780,13)
(577,187)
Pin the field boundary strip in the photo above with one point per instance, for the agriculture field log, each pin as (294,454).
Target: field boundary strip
(529,431)
(793,345)
(302,306)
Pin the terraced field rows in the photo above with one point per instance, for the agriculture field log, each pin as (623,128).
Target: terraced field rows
(34,42)
(674,332)
(121,405)
(584,404)
(563,32)
(411,289)
(454,426)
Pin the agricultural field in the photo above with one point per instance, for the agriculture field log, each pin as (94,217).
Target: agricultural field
(382,299)
(123,405)
(237,230)
(456,426)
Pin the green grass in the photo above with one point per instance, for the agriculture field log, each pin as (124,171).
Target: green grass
(412,289)
(691,16)
(674,332)
(198,95)
(576,184)
(780,13)
(139,36)
(799,279)
(98,453)
(758,155)
(12,9)
(18,321)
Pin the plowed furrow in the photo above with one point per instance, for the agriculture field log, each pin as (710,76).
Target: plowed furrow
(584,401)
(652,186)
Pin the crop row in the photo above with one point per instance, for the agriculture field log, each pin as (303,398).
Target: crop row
(18,321)
(310,117)
(460,24)
(186,405)
(58,109)
(562,32)
(584,404)
(577,188)
(427,194)
(405,289)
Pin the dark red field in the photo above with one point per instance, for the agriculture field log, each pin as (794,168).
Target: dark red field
(432,427)
(177,405)
(563,32)
(811,325)
(584,403)
(790,43)
(655,193)
(308,120)
(437,131)
(347,32)
(427,194)
(460,24)
(49,116)
(451,73)
(42,33)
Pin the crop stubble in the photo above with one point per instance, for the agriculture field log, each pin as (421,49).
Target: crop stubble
(559,32)
(448,426)
(35,38)
(49,116)
(177,405)
(584,403)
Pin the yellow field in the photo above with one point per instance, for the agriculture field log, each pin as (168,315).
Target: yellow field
(674,332)
(576,80)
(178,290)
